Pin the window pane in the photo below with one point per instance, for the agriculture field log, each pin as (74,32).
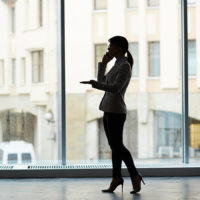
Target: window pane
(192,57)
(23,72)
(133,46)
(13,71)
(100,4)
(191,1)
(100,50)
(26,158)
(13,16)
(1,73)
(132,3)
(37,66)
(12,158)
(153,3)
(41,66)
(154,59)
(40,9)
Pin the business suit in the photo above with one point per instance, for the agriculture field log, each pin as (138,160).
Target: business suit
(115,83)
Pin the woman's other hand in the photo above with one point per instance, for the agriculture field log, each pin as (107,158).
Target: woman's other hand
(92,82)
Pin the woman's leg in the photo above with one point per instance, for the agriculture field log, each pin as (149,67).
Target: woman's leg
(113,125)
(128,160)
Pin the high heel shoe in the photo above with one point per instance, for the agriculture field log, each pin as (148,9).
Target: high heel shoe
(136,182)
(113,185)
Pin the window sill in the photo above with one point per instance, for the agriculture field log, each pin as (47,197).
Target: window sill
(37,84)
(153,78)
(132,9)
(63,171)
(34,29)
(99,11)
(135,78)
(12,34)
(152,7)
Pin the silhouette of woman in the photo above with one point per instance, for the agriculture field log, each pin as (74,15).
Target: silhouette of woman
(115,83)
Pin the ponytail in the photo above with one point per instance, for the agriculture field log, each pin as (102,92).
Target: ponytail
(130,58)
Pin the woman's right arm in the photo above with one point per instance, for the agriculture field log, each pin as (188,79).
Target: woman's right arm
(101,77)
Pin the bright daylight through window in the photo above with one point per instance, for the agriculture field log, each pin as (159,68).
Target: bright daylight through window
(29,69)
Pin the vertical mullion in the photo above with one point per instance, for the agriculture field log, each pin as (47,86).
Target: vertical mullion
(61,82)
(184,59)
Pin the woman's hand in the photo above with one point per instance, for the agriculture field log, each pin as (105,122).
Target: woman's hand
(106,58)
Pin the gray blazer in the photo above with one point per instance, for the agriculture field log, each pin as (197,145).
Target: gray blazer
(114,83)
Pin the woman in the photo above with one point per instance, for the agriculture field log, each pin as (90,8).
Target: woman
(115,83)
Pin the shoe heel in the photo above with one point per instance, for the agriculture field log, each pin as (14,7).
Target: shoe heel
(122,185)
(142,181)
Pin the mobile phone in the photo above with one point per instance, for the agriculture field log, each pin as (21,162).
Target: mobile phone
(108,55)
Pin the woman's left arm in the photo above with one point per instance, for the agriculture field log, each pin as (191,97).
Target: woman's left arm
(122,77)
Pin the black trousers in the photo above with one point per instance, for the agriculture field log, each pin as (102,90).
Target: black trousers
(113,126)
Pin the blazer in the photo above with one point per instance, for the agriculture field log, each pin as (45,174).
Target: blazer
(114,83)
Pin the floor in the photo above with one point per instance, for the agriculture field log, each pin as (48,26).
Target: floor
(165,188)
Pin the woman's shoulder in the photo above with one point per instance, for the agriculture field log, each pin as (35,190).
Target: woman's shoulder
(125,65)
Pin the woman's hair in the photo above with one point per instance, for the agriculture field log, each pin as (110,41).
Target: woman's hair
(122,42)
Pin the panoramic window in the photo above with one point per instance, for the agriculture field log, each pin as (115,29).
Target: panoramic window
(30,91)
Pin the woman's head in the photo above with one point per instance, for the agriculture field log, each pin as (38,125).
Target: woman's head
(120,45)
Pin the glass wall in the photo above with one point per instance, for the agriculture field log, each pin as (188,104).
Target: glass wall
(28,82)
(152,130)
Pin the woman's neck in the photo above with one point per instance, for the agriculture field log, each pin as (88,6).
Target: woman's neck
(119,56)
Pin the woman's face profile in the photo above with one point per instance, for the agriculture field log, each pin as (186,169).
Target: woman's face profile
(113,50)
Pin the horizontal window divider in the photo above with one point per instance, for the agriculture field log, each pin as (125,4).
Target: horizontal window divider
(101,173)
